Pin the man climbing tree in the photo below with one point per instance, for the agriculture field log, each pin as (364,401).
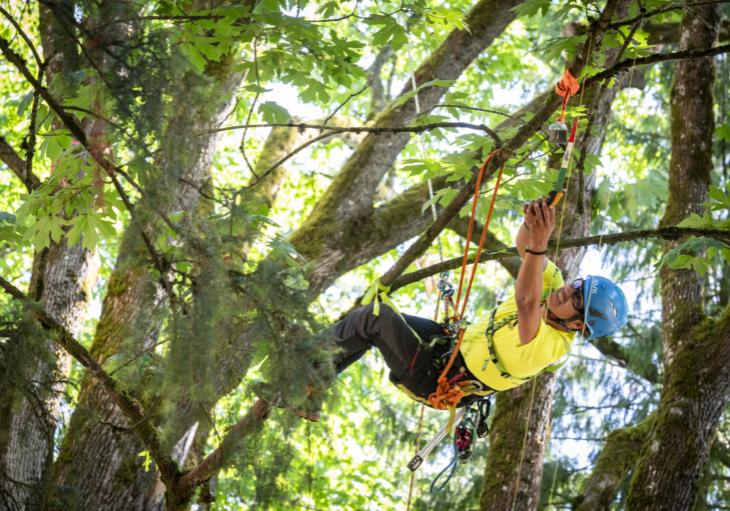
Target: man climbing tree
(521,338)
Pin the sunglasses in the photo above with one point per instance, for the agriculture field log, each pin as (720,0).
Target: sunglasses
(578,284)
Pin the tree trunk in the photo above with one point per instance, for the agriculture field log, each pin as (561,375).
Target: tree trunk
(61,279)
(696,357)
(618,457)
(508,427)
(129,306)
(345,215)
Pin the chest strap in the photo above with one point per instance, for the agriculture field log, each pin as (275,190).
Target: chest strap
(492,329)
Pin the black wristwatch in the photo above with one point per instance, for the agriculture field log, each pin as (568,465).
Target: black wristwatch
(527,249)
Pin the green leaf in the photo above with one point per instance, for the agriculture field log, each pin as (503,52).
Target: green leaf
(723,131)
(25,103)
(91,228)
(531,8)
(196,59)
(256,88)
(273,113)
(694,220)
(719,196)
(43,230)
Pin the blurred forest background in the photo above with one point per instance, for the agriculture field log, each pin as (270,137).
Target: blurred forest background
(158,257)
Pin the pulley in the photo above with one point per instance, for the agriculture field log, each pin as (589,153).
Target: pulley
(558,133)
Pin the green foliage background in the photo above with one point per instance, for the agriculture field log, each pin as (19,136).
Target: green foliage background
(355,458)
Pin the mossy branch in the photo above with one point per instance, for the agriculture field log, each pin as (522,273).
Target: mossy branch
(131,409)
(667,8)
(667,233)
(366,129)
(653,59)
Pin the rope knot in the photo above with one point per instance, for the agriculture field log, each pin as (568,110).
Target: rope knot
(567,87)
(445,396)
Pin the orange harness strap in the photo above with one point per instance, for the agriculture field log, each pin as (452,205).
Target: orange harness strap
(567,87)
(446,396)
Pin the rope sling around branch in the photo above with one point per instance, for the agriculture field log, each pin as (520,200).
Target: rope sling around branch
(446,396)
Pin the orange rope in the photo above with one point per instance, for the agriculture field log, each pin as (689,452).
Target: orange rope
(446,396)
(567,87)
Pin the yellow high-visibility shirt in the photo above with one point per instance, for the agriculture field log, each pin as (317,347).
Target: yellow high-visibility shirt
(520,361)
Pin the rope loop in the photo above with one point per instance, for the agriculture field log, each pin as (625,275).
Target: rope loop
(567,87)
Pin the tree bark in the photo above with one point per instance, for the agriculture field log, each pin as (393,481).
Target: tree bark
(346,208)
(62,279)
(618,457)
(131,302)
(512,407)
(696,357)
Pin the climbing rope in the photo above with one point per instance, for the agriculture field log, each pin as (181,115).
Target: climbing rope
(447,396)
(567,87)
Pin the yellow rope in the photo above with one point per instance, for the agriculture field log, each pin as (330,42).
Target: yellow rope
(620,134)
(418,441)
(610,177)
(524,442)
(552,281)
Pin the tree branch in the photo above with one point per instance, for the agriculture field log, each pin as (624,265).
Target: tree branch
(228,446)
(652,59)
(667,8)
(667,233)
(16,163)
(362,129)
(131,409)
(25,37)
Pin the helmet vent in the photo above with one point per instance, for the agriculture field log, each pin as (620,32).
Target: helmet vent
(592,323)
(593,312)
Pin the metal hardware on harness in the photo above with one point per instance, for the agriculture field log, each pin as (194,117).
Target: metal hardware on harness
(445,286)
(418,458)
(472,425)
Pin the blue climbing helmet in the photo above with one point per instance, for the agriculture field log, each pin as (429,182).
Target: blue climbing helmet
(607,310)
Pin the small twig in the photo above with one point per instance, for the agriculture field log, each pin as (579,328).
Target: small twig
(25,37)
(668,8)
(468,108)
(348,99)
(359,129)
(627,41)
(32,134)
(94,114)
(353,15)
(288,156)
(253,106)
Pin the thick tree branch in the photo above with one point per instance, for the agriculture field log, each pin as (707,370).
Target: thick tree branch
(16,163)
(146,432)
(365,129)
(250,423)
(667,233)
(653,59)
(667,8)
(617,458)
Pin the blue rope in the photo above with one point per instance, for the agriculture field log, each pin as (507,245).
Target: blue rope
(453,468)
